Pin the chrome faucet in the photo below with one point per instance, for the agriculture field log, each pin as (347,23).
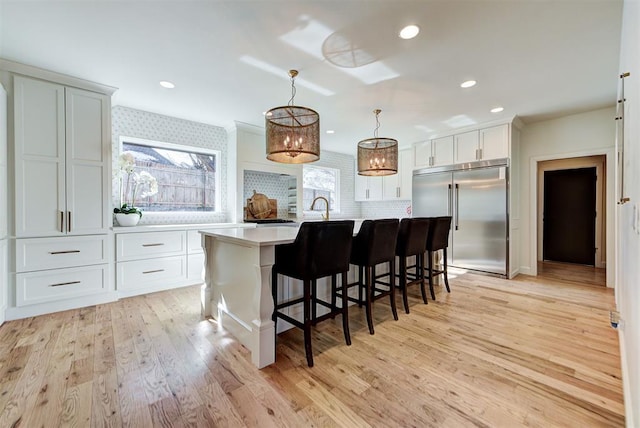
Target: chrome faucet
(324,216)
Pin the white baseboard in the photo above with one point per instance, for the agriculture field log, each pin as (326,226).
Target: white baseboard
(14,313)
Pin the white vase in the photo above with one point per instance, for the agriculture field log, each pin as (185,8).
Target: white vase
(127,219)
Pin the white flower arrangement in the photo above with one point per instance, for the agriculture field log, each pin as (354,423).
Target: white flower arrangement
(133,183)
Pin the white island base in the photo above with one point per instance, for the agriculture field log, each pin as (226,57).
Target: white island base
(237,289)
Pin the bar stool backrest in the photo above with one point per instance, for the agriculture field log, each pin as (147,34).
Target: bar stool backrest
(412,236)
(375,242)
(323,248)
(439,233)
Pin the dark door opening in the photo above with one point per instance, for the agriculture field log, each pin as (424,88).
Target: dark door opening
(569,216)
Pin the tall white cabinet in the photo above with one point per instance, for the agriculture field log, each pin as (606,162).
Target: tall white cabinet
(3,202)
(60,155)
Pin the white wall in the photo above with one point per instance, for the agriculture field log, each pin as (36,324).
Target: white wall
(585,134)
(627,286)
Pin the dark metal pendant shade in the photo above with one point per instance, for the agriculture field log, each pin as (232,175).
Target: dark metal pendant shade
(379,155)
(292,132)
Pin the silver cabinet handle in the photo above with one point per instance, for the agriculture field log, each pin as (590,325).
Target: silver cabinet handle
(69,221)
(64,283)
(476,154)
(457,205)
(449,201)
(397,192)
(153,271)
(159,244)
(64,252)
(479,154)
(62,221)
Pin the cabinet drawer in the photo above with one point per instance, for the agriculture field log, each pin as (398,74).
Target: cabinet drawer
(134,246)
(194,242)
(53,253)
(58,284)
(145,273)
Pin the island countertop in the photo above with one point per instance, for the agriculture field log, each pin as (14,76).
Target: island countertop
(257,236)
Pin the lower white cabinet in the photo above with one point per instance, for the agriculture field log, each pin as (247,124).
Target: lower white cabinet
(58,284)
(155,261)
(60,269)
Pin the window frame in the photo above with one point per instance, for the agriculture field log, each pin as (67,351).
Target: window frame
(182,148)
(336,207)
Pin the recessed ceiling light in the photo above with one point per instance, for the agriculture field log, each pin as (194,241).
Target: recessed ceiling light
(167,84)
(330,131)
(409,32)
(468,84)
(497,109)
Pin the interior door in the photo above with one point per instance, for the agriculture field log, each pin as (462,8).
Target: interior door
(569,216)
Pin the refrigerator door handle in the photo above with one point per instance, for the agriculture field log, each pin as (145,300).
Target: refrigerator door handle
(457,205)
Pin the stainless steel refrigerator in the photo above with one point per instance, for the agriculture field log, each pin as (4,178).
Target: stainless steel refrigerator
(476,196)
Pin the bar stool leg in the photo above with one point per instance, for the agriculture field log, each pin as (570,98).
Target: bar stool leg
(345,311)
(307,322)
(403,282)
(334,291)
(392,288)
(369,297)
(360,285)
(430,272)
(420,276)
(446,275)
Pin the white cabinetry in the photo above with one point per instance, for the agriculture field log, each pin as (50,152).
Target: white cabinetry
(483,144)
(59,139)
(368,188)
(398,186)
(435,152)
(151,261)
(195,257)
(61,159)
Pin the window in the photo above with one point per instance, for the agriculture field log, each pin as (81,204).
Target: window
(188,177)
(321,181)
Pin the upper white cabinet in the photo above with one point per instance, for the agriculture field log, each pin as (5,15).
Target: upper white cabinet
(62,140)
(483,144)
(368,188)
(435,152)
(398,186)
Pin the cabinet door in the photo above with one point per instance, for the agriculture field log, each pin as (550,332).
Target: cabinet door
(87,166)
(375,188)
(39,158)
(442,151)
(422,153)
(494,142)
(405,170)
(3,168)
(466,147)
(360,188)
(391,184)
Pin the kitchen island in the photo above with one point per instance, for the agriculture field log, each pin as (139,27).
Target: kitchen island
(237,288)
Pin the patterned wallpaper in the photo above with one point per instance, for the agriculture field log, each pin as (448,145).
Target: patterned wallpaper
(274,186)
(128,122)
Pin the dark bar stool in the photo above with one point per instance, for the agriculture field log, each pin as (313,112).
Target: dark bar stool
(412,241)
(438,239)
(320,249)
(374,244)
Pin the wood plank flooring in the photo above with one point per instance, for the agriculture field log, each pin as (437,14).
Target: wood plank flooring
(586,275)
(492,353)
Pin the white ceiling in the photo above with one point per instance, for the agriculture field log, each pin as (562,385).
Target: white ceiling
(537,59)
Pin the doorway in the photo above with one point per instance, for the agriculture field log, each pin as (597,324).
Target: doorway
(569,216)
(571,224)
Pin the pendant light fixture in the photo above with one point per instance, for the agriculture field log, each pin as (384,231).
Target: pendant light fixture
(378,155)
(293,132)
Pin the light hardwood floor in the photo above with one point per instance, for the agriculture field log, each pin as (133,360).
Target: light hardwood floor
(493,353)
(586,275)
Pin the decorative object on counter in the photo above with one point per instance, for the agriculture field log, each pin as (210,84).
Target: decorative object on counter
(378,156)
(132,182)
(326,201)
(293,132)
(259,206)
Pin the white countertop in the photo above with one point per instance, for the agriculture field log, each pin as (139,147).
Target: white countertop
(187,226)
(260,236)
